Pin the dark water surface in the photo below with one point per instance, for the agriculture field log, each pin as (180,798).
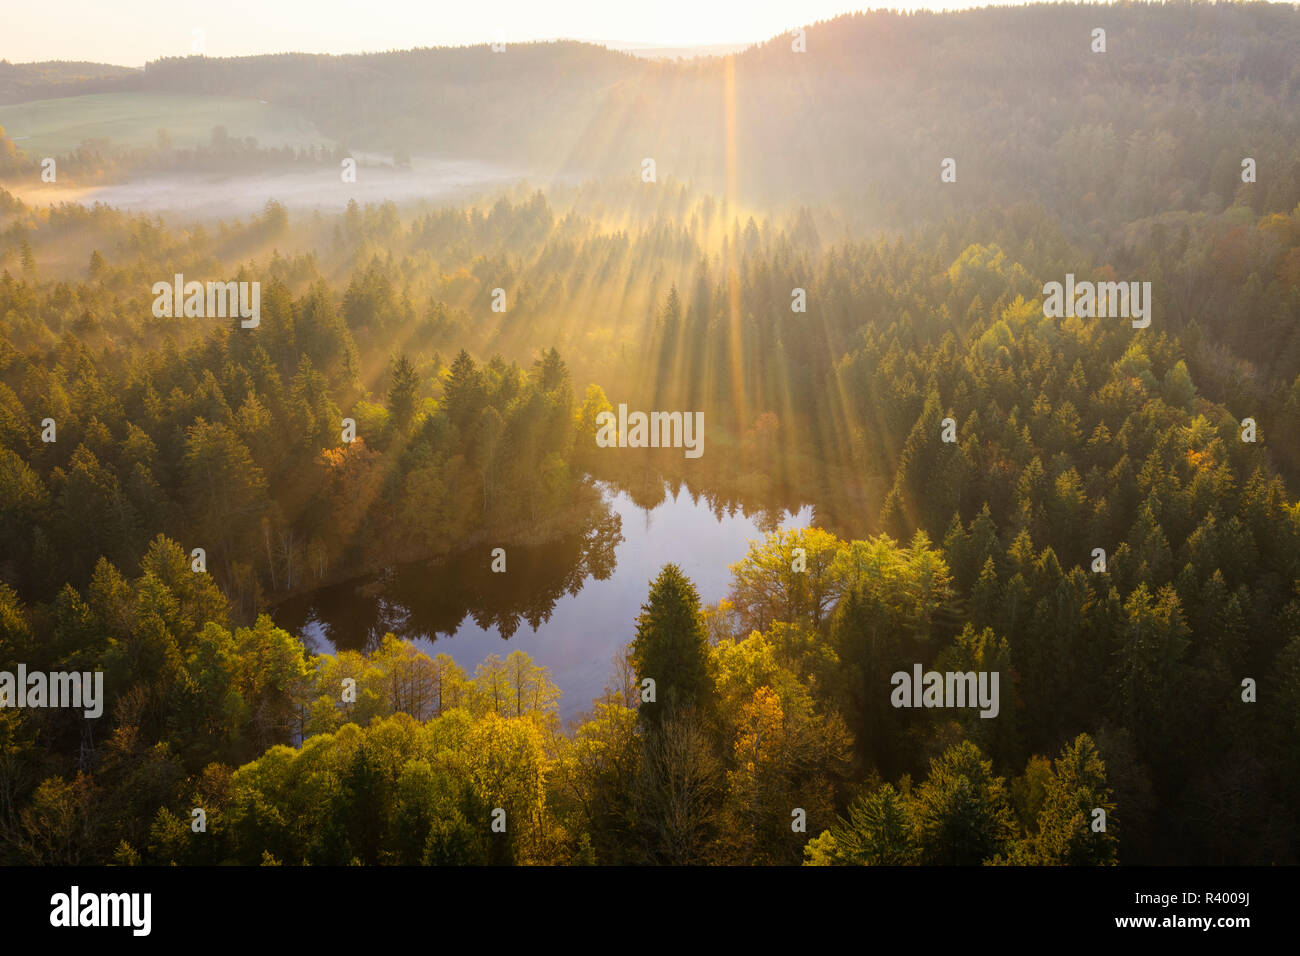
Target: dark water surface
(570,604)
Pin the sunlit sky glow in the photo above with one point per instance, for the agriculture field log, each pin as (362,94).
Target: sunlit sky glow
(131,32)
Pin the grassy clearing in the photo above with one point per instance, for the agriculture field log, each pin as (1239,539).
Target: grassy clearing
(53,127)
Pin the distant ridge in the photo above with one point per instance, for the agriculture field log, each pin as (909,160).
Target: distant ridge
(1015,95)
(652,52)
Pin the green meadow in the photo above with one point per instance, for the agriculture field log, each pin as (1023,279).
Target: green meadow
(58,126)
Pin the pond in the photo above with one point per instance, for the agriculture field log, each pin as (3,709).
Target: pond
(570,604)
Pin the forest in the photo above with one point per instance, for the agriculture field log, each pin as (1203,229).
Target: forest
(1111,523)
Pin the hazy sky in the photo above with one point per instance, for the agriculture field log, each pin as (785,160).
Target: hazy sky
(129,32)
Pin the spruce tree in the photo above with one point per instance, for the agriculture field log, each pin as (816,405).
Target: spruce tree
(671,648)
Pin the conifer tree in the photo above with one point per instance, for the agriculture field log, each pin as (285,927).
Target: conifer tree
(671,648)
